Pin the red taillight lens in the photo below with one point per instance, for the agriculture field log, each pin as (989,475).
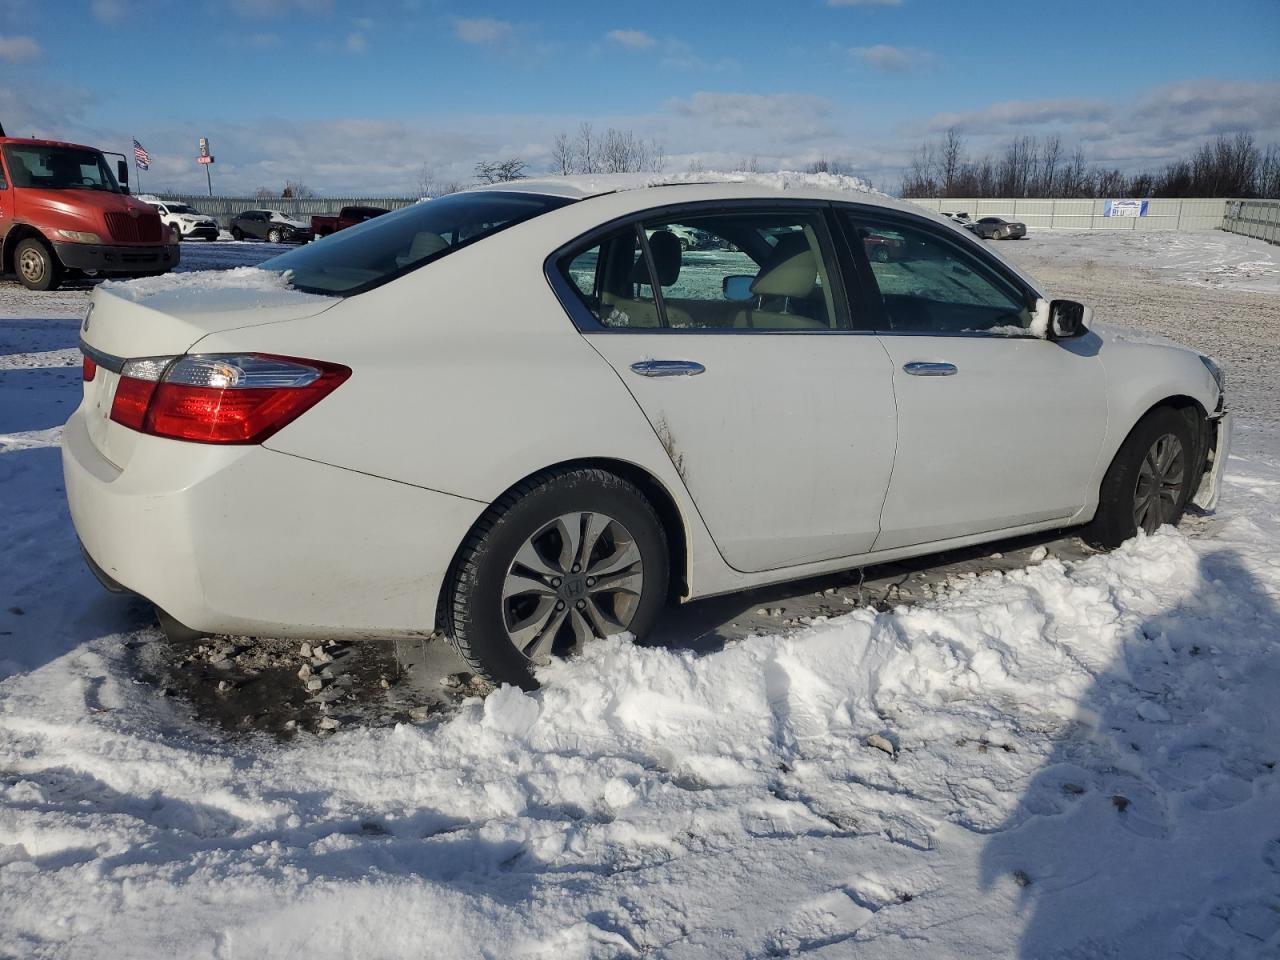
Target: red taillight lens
(224,399)
(88,368)
(131,400)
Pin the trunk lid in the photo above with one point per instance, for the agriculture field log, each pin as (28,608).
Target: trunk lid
(166,316)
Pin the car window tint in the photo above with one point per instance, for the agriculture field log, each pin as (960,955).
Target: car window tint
(612,279)
(747,270)
(928,283)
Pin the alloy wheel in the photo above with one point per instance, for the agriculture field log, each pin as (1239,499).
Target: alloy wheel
(1161,476)
(577,578)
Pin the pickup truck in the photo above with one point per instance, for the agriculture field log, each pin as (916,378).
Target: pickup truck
(63,211)
(347,217)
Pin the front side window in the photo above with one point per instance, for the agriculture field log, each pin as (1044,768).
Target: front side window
(58,168)
(929,284)
(731,270)
(389,246)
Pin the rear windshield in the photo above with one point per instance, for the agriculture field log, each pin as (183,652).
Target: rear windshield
(364,256)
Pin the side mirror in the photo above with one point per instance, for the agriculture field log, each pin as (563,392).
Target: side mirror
(738,287)
(1068,319)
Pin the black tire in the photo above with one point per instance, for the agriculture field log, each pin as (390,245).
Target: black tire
(1118,500)
(36,265)
(237,233)
(274,236)
(474,614)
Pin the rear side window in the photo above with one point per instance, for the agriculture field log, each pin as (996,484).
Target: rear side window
(742,270)
(378,250)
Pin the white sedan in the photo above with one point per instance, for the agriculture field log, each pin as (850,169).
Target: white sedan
(525,416)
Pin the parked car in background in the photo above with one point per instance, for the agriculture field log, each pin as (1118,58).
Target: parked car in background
(514,415)
(997,228)
(63,211)
(270,225)
(322,226)
(882,248)
(190,223)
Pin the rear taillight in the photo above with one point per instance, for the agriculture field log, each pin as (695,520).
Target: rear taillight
(88,368)
(242,398)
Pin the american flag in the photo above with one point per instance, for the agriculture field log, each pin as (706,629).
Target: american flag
(140,156)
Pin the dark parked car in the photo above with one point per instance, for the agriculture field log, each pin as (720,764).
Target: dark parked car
(347,217)
(996,228)
(269,225)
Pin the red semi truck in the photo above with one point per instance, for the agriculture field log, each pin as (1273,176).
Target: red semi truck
(63,212)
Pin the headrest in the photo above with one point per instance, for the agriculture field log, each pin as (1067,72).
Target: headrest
(665,250)
(790,271)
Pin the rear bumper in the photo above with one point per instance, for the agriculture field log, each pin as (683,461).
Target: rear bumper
(247,541)
(118,258)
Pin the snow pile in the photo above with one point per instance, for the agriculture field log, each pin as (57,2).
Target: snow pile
(238,288)
(1036,758)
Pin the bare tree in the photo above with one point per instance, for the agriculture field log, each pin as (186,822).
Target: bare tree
(563,154)
(427,185)
(588,162)
(500,171)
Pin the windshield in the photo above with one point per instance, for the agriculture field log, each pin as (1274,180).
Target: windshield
(58,168)
(392,245)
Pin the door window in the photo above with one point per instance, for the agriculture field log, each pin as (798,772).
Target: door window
(739,270)
(930,284)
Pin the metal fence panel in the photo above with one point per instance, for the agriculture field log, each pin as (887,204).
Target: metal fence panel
(1086,214)
(1253,218)
(224,208)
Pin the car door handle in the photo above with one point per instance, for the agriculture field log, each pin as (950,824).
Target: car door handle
(919,368)
(668,368)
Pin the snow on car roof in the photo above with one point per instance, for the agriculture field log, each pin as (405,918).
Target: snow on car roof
(585,185)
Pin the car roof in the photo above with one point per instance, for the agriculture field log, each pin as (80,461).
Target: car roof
(707,186)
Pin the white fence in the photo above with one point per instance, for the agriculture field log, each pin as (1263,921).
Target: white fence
(1194,214)
(1254,218)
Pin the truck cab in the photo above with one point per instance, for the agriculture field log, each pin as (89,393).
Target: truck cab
(64,212)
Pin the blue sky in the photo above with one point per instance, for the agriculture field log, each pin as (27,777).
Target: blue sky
(358,97)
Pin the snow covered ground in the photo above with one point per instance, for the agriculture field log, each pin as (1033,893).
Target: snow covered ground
(1072,760)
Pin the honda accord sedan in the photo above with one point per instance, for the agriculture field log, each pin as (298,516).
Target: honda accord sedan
(527,416)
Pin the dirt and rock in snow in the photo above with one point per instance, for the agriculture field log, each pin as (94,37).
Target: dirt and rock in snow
(1025,750)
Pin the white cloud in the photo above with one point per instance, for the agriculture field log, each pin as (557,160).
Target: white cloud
(635,39)
(1009,115)
(18,49)
(109,11)
(357,43)
(265,9)
(893,59)
(482,30)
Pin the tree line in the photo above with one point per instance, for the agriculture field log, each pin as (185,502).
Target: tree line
(1226,166)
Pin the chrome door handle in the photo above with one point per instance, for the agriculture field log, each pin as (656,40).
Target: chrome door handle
(668,368)
(919,368)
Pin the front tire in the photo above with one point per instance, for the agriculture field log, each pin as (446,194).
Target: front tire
(36,265)
(1150,480)
(563,558)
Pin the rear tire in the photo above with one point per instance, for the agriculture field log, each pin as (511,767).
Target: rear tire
(1150,480)
(36,265)
(521,592)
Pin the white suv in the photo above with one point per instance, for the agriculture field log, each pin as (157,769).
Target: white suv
(188,221)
